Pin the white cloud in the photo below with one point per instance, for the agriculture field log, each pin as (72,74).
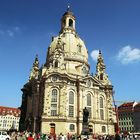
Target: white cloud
(10,33)
(16,29)
(94,54)
(128,55)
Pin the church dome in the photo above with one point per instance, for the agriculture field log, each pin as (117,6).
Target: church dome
(72,46)
(68,48)
(70,43)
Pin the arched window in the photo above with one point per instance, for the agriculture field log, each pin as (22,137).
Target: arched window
(71,104)
(56,64)
(103,129)
(70,23)
(101,76)
(101,102)
(101,108)
(72,127)
(88,100)
(54,102)
(89,104)
(54,95)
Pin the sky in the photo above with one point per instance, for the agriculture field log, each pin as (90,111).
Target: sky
(112,26)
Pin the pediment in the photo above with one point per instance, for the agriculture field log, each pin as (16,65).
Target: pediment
(94,81)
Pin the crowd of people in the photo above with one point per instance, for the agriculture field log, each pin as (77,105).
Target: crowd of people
(39,136)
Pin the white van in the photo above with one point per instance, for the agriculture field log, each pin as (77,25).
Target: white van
(4,136)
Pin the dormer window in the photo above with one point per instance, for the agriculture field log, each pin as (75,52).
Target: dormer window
(79,48)
(101,76)
(56,64)
(84,70)
(70,23)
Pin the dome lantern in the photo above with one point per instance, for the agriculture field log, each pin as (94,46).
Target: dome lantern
(68,21)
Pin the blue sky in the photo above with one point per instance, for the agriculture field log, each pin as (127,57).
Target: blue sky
(26,28)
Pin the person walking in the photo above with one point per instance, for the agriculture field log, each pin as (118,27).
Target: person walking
(30,137)
(117,136)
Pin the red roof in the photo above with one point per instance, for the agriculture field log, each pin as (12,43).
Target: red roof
(128,104)
(9,111)
(137,107)
(126,107)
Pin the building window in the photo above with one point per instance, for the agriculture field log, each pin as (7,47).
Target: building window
(56,64)
(72,127)
(79,48)
(71,97)
(101,76)
(101,114)
(71,104)
(71,111)
(70,23)
(4,123)
(53,112)
(101,102)
(103,129)
(88,100)
(54,95)
(89,104)
(54,102)
(101,108)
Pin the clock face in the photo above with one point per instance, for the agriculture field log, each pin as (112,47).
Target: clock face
(54,78)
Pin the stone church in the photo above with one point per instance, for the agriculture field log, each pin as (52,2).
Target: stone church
(56,93)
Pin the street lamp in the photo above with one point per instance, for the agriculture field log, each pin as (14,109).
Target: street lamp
(116,112)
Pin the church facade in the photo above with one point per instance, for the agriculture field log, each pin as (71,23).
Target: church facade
(55,95)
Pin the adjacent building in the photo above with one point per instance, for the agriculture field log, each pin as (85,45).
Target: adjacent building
(137,117)
(56,93)
(9,118)
(129,117)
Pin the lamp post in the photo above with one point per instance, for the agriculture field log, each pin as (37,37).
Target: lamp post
(116,112)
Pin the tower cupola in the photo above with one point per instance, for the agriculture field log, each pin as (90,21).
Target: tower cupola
(68,22)
(35,69)
(100,70)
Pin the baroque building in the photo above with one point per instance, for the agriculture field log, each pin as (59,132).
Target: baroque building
(55,95)
(9,118)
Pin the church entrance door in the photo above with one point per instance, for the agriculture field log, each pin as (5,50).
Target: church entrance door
(52,128)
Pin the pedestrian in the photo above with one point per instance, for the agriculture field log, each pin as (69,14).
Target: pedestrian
(37,136)
(117,136)
(21,136)
(30,137)
(68,136)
